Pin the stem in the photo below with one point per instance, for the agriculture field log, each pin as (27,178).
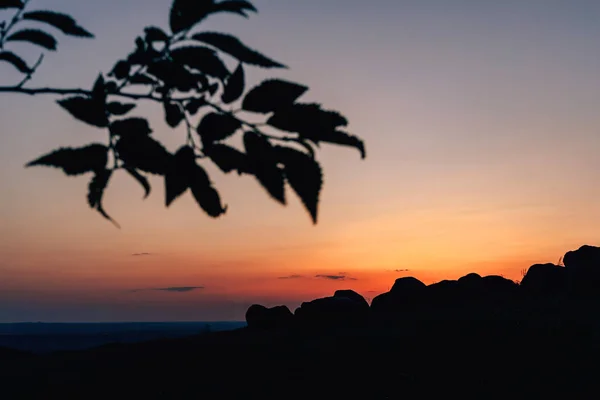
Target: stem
(16,18)
(32,71)
(135,96)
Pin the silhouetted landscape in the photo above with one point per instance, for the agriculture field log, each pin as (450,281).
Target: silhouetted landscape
(474,336)
(51,337)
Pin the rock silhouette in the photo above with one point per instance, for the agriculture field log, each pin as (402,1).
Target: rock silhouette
(546,290)
(261,317)
(474,337)
(545,280)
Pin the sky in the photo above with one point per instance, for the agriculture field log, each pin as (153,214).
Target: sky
(481,126)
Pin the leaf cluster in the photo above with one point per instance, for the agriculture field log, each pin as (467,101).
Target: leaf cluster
(185,72)
(39,35)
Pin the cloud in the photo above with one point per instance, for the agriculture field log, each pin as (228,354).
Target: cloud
(401,270)
(176,289)
(291,277)
(141,254)
(336,277)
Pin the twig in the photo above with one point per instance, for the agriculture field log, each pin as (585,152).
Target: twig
(16,18)
(135,96)
(31,72)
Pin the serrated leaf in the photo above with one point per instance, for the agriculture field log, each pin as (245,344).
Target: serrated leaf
(235,6)
(75,161)
(15,60)
(227,158)
(344,139)
(214,127)
(177,176)
(204,193)
(173,114)
(306,119)
(155,34)
(117,108)
(271,95)
(144,153)
(96,189)
(234,86)
(130,126)
(304,175)
(63,22)
(11,4)
(234,47)
(34,36)
(201,59)
(142,180)
(263,163)
(187,13)
(86,110)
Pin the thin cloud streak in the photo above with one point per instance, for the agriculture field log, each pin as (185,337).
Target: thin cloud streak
(173,289)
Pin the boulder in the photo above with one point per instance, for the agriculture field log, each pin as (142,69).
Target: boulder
(261,317)
(545,280)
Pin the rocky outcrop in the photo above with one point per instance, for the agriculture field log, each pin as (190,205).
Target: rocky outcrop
(545,280)
(340,310)
(546,290)
(263,318)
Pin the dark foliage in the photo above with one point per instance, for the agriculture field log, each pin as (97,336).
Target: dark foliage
(185,72)
(34,36)
(65,23)
(15,60)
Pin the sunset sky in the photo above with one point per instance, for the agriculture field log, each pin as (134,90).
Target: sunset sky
(481,120)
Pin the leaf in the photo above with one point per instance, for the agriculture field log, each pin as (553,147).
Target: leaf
(99,90)
(309,119)
(75,161)
(144,153)
(201,59)
(345,139)
(15,60)
(234,86)
(142,79)
(178,173)
(63,22)
(34,36)
(85,109)
(130,126)
(121,69)
(194,105)
(304,175)
(263,163)
(11,4)
(204,193)
(228,158)
(117,108)
(140,178)
(96,189)
(187,13)
(234,47)
(214,127)
(173,114)
(173,75)
(235,6)
(271,95)
(155,34)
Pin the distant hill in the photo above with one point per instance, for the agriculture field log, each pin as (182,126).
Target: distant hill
(50,337)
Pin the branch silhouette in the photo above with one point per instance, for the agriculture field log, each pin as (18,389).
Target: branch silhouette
(183,73)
